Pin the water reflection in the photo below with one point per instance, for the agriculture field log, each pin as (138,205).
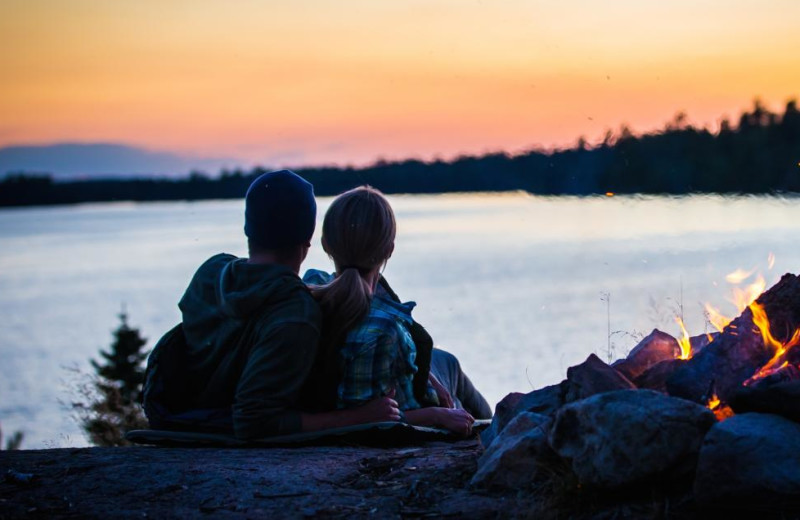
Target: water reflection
(512,283)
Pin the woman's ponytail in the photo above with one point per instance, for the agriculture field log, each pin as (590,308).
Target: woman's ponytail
(358,234)
(344,301)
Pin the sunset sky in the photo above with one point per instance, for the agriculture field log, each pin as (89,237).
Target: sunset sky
(347,82)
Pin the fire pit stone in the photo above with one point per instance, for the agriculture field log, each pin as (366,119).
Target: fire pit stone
(619,438)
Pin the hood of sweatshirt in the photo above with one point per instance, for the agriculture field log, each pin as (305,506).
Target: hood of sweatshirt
(227,291)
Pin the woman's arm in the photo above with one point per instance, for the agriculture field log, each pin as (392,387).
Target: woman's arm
(454,420)
(445,399)
(380,409)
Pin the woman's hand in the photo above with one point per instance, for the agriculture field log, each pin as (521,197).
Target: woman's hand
(452,419)
(380,409)
(445,399)
(457,421)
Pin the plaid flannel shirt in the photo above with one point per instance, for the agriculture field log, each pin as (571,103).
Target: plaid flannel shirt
(378,354)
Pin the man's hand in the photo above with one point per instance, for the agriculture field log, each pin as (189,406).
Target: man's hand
(445,399)
(380,409)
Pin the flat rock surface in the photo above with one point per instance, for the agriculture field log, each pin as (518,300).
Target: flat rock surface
(324,481)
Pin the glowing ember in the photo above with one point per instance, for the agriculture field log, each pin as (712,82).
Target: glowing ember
(771,261)
(683,342)
(721,411)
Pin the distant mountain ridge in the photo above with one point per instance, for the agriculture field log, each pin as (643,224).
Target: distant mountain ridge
(103,160)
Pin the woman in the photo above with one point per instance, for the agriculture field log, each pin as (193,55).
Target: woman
(369,336)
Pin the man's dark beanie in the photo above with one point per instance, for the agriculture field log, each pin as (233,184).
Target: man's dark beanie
(280,210)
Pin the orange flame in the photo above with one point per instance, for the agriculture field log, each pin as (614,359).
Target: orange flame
(742,298)
(738,276)
(683,342)
(761,321)
(717,320)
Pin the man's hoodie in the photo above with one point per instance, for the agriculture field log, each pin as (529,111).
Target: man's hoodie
(252,332)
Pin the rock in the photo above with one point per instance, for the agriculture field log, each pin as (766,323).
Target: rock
(655,378)
(591,377)
(656,347)
(518,456)
(780,399)
(700,342)
(750,460)
(503,414)
(618,438)
(544,401)
(421,481)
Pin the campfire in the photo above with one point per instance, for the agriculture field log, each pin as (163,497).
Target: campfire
(722,408)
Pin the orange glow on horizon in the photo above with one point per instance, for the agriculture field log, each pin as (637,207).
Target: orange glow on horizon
(316,82)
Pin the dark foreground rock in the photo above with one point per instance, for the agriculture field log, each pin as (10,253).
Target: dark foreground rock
(751,459)
(620,438)
(519,456)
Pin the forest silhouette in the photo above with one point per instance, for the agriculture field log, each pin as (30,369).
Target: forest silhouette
(758,154)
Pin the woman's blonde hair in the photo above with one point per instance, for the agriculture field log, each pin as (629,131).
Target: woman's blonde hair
(358,234)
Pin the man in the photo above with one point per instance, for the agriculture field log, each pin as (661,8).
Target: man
(251,331)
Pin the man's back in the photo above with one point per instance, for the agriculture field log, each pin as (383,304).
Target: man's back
(258,377)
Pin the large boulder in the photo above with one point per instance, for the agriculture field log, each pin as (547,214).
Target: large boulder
(544,401)
(618,438)
(751,459)
(518,456)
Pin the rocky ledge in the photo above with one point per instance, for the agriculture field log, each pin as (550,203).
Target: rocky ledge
(323,481)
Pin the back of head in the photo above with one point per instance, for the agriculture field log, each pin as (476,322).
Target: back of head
(280,211)
(358,234)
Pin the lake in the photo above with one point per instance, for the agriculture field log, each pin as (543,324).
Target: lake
(519,287)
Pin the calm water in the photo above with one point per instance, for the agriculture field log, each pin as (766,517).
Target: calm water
(513,284)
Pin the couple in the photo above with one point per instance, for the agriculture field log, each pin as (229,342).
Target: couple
(263,353)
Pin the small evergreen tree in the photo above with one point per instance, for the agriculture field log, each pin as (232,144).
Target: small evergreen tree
(115,409)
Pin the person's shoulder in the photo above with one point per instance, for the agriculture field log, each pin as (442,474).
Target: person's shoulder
(297,307)
(217,262)
(317,277)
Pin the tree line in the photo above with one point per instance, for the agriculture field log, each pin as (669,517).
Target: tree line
(758,154)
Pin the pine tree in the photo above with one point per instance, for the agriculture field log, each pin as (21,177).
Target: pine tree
(124,361)
(116,409)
